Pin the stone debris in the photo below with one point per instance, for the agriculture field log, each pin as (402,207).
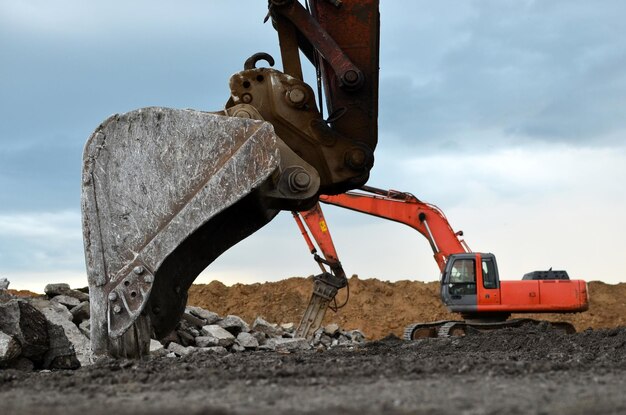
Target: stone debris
(52,332)
(4,284)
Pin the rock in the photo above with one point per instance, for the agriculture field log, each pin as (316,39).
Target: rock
(289,327)
(247,340)
(186,339)
(297,343)
(237,348)
(27,325)
(331,329)
(224,338)
(234,324)
(356,336)
(67,342)
(193,320)
(179,349)
(4,284)
(208,316)
(9,348)
(66,300)
(214,349)
(85,328)
(170,354)
(80,312)
(157,349)
(207,341)
(262,326)
(53,290)
(260,337)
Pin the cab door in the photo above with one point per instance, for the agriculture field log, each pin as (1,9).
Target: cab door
(489,281)
(458,285)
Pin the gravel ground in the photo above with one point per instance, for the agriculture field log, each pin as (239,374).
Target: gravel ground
(514,371)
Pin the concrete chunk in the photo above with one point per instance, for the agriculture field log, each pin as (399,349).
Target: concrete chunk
(179,349)
(27,325)
(331,329)
(67,342)
(207,341)
(208,316)
(247,340)
(262,326)
(234,324)
(53,290)
(66,300)
(224,338)
(4,284)
(9,348)
(80,312)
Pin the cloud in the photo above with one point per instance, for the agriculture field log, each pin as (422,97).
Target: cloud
(531,71)
(41,242)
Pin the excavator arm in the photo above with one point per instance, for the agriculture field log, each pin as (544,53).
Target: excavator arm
(392,205)
(165,191)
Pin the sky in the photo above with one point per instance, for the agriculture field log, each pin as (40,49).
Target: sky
(508,115)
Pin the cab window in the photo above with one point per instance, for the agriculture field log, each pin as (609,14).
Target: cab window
(490,279)
(463,277)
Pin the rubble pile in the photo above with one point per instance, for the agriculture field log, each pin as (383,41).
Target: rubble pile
(205,331)
(46,332)
(52,332)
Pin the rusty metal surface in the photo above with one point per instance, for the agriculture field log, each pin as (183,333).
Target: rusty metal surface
(164,193)
(289,105)
(355,29)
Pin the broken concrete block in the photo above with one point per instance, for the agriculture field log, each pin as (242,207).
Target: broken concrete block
(4,284)
(66,340)
(194,320)
(331,329)
(288,327)
(80,312)
(247,340)
(237,348)
(234,324)
(297,343)
(66,300)
(224,338)
(27,325)
(261,338)
(207,341)
(53,290)
(9,348)
(157,349)
(356,336)
(179,349)
(271,330)
(209,316)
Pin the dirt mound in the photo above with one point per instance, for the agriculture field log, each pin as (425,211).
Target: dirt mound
(379,307)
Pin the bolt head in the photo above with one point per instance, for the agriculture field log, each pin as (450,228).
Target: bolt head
(112,296)
(299,181)
(296,96)
(246,98)
(138,270)
(117,309)
(148,279)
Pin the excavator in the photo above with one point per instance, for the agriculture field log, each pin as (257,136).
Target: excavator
(470,284)
(166,191)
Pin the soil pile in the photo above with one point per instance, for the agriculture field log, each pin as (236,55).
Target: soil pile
(380,307)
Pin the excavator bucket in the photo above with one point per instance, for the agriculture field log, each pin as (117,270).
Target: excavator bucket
(164,193)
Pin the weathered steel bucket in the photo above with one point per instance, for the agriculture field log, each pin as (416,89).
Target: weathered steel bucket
(164,193)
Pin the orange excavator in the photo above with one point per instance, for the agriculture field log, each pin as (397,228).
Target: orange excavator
(470,282)
(166,191)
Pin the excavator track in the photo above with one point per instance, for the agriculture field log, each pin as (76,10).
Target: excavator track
(452,328)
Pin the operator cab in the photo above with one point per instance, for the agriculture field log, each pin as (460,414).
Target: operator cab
(467,276)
